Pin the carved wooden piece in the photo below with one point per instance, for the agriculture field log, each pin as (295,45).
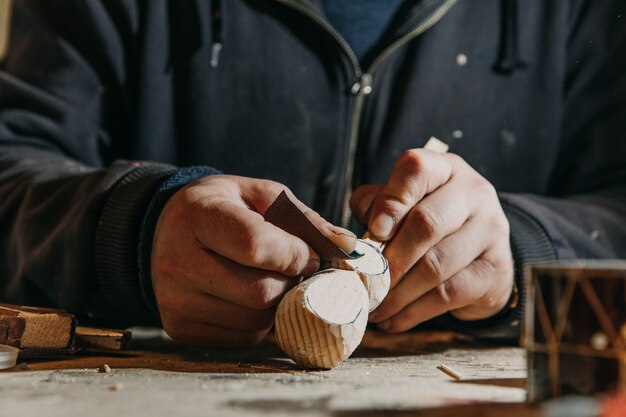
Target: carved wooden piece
(372,268)
(320,322)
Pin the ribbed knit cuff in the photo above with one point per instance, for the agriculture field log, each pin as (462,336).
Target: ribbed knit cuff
(165,191)
(117,238)
(530,244)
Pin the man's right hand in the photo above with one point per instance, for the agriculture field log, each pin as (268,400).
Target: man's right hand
(218,269)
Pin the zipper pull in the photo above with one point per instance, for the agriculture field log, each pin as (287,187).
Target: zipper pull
(362,86)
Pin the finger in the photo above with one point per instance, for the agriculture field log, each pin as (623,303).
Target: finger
(194,306)
(439,263)
(498,260)
(342,238)
(213,274)
(417,172)
(262,194)
(459,291)
(210,335)
(440,214)
(242,235)
(362,200)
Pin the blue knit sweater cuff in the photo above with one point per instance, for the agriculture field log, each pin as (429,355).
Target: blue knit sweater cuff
(166,190)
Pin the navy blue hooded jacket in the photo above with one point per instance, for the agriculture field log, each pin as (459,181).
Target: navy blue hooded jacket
(102,100)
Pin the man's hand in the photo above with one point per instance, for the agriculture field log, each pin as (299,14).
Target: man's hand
(218,269)
(448,246)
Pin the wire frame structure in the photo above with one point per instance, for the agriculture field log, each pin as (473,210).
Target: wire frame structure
(575,328)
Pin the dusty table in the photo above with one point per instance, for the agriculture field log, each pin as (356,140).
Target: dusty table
(388,373)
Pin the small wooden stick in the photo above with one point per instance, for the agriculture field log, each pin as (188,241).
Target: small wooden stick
(449,371)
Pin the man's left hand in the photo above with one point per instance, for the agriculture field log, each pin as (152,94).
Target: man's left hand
(448,240)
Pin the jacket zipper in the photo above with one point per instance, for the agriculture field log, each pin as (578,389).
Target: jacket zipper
(362,87)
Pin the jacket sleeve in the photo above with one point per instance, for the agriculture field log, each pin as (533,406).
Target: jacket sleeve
(583,213)
(70,208)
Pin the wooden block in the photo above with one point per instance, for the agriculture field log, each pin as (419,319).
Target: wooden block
(36,328)
(320,322)
(107,339)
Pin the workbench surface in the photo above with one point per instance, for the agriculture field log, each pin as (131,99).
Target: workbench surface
(388,373)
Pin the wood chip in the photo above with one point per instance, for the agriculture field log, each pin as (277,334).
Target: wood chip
(104,369)
(449,371)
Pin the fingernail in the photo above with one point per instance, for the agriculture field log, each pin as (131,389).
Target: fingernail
(385,325)
(365,205)
(381,226)
(342,238)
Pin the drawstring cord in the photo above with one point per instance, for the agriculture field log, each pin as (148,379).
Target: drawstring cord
(508,54)
(216,46)
(508,60)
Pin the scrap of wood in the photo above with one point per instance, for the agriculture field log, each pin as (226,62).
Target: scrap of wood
(97,338)
(449,371)
(36,328)
(105,369)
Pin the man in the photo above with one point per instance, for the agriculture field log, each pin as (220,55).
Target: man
(531,101)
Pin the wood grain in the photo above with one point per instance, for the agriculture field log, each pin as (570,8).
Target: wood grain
(372,268)
(320,322)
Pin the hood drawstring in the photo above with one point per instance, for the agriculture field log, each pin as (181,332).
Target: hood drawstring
(217,32)
(193,24)
(508,54)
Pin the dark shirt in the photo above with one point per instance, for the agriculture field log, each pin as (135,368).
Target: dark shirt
(361,23)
